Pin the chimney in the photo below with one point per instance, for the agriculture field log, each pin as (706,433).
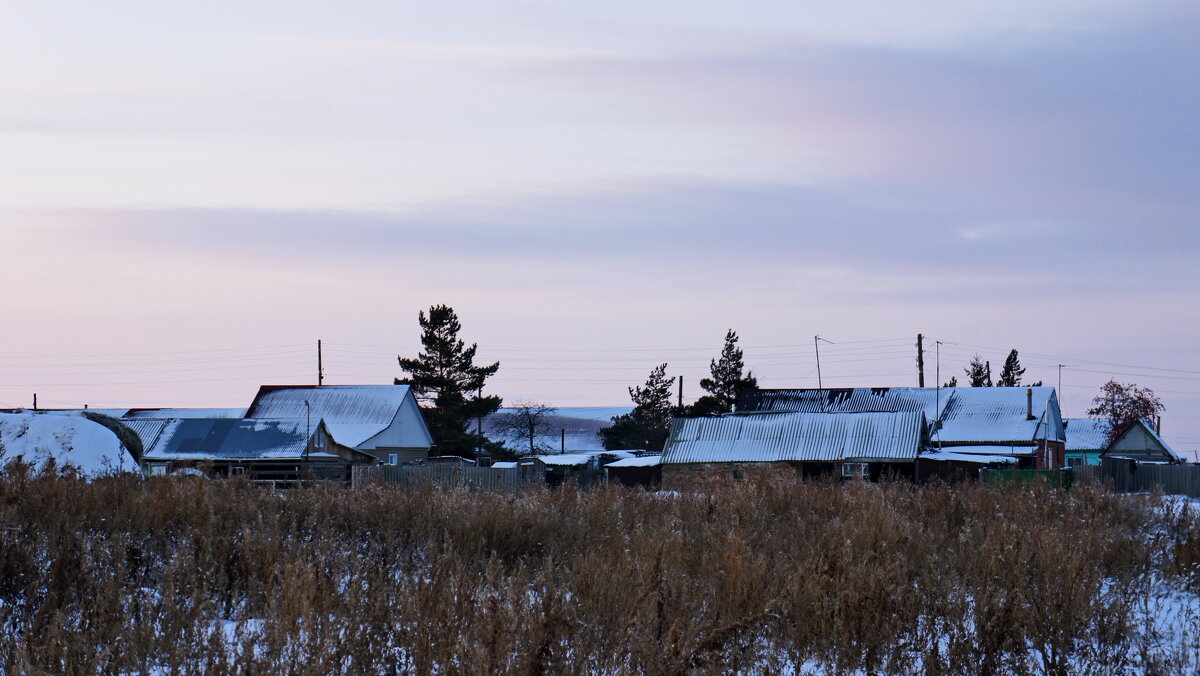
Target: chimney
(1158,425)
(1029,403)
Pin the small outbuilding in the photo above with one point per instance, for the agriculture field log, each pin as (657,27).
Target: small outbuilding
(641,471)
(1140,442)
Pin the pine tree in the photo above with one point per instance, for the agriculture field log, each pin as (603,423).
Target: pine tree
(953,382)
(978,372)
(727,380)
(1010,375)
(647,425)
(445,379)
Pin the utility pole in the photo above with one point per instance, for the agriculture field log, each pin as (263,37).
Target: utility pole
(937,350)
(920,360)
(563,443)
(1060,400)
(320,368)
(817,349)
(35,401)
(680,391)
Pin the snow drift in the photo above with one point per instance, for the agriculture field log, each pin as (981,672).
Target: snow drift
(68,438)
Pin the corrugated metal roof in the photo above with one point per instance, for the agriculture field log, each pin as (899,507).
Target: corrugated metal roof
(350,404)
(352,413)
(1087,434)
(230,439)
(801,436)
(988,449)
(151,413)
(946,456)
(968,415)
(147,430)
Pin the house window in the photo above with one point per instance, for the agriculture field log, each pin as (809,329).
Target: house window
(156,469)
(237,471)
(393,458)
(854,469)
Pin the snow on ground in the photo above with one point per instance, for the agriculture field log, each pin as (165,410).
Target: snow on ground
(69,438)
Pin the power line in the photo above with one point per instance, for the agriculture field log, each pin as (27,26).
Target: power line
(1077,359)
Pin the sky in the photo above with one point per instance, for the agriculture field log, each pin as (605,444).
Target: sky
(192,194)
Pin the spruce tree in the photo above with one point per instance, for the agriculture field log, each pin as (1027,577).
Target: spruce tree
(445,379)
(727,381)
(978,373)
(1010,375)
(647,425)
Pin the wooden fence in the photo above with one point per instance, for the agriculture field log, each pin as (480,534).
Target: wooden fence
(488,478)
(1127,476)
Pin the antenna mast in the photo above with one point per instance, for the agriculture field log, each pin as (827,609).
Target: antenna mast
(817,349)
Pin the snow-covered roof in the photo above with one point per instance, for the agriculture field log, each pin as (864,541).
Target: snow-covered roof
(947,456)
(353,414)
(967,414)
(147,429)
(1086,434)
(989,449)
(504,465)
(161,413)
(230,439)
(642,461)
(574,459)
(775,437)
(565,459)
(1141,441)
(68,438)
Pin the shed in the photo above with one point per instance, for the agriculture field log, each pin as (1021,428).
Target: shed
(1140,442)
(382,420)
(640,471)
(582,468)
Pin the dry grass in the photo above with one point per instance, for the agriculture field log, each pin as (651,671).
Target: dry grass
(191,576)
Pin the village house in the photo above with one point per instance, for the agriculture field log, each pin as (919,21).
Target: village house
(384,421)
(793,443)
(275,451)
(975,425)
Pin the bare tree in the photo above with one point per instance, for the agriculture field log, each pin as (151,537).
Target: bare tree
(525,422)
